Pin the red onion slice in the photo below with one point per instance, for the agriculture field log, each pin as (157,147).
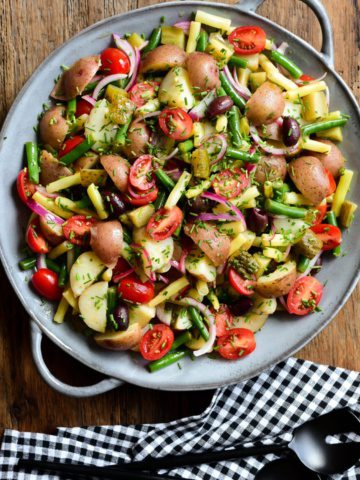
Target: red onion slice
(199,111)
(133,193)
(44,192)
(40,210)
(218,198)
(241,90)
(312,263)
(163,279)
(147,115)
(185,26)
(41,261)
(301,82)
(148,266)
(136,70)
(208,217)
(175,264)
(125,46)
(268,148)
(105,81)
(89,99)
(184,254)
(282,47)
(144,45)
(120,276)
(283,303)
(241,87)
(223,147)
(171,155)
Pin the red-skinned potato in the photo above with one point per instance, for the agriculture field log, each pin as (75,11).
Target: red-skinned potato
(309,176)
(333,161)
(53,127)
(118,170)
(163,58)
(137,140)
(271,167)
(52,231)
(107,241)
(126,340)
(266,104)
(51,168)
(278,282)
(214,244)
(203,71)
(87,161)
(73,81)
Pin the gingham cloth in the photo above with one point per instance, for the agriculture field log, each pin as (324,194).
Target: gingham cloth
(264,409)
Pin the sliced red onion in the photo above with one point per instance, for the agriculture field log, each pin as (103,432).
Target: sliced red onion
(89,99)
(287,251)
(147,115)
(44,192)
(283,47)
(185,25)
(279,121)
(40,210)
(164,315)
(175,264)
(273,232)
(105,81)
(327,95)
(221,269)
(223,147)
(164,279)
(241,90)
(136,70)
(208,345)
(135,194)
(301,82)
(41,261)
(184,254)
(241,87)
(218,198)
(147,268)
(125,46)
(250,167)
(208,217)
(171,155)
(283,303)
(312,263)
(269,148)
(144,45)
(174,174)
(120,276)
(199,111)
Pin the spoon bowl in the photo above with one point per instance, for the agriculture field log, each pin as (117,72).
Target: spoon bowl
(285,469)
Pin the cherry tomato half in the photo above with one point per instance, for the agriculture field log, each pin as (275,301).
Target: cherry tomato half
(176,123)
(329,234)
(82,107)
(140,173)
(237,343)
(304,296)
(114,61)
(45,282)
(70,144)
(142,199)
(25,188)
(306,78)
(248,40)
(164,222)
(223,320)
(77,229)
(156,342)
(240,284)
(230,183)
(134,290)
(321,212)
(34,238)
(142,92)
(332,182)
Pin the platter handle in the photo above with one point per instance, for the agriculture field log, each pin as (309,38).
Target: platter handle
(327,49)
(61,387)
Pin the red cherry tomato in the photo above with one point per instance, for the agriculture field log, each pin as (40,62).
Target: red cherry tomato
(34,238)
(25,188)
(307,78)
(304,296)
(332,182)
(230,183)
(77,229)
(223,320)
(142,198)
(45,282)
(140,173)
(164,222)
(176,123)
(114,61)
(70,144)
(248,40)
(241,285)
(321,212)
(329,234)
(82,107)
(237,343)
(134,290)
(156,342)
(141,93)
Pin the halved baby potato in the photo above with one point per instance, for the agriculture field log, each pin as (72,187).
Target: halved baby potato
(126,340)
(93,306)
(84,272)
(279,282)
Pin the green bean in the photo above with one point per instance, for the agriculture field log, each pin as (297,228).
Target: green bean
(234,126)
(238,61)
(285,62)
(90,86)
(220,92)
(165,179)
(233,94)
(202,41)
(32,161)
(71,109)
(84,202)
(331,220)
(28,263)
(168,359)
(120,138)
(77,252)
(127,236)
(279,191)
(160,200)
(77,152)
(321,126)
(198,322)
(281,209)
(303,264)
(154,40)
(186,146)
(55,267)
(241,155)
(112,298)
(63,275)
(180,340)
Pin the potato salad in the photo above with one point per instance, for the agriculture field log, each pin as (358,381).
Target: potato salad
(183,188)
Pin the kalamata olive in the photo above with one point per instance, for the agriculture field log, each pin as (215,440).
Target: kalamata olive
(198,205)
(114,202)
(241,306)
(290,131)
(121,316)
(257,220)
(219,106)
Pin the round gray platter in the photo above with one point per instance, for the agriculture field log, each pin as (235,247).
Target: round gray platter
(282,335)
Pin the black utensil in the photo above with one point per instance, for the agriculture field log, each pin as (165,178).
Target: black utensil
(285,469)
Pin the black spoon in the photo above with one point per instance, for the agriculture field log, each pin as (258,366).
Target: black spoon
(285,469)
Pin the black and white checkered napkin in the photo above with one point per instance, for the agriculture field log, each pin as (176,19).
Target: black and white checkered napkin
(263,409)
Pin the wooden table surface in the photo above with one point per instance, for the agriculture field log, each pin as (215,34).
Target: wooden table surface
(29,31)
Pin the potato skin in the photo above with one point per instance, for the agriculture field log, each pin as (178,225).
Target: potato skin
(118,170)
(137,140)
(163,58)
(266,104)
(126,340)
(107,241)
(309,176)
(53,127)
(214,244)
(51,168)
(280,286)
(272,167)
(53,232)
(203,71)
(88,161)
(333,161)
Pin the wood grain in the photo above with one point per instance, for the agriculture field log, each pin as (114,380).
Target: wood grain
(29,31)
